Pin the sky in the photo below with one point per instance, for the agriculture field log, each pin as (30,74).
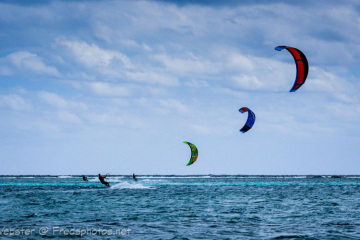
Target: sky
(115,87)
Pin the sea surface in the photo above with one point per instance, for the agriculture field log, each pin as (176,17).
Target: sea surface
(180,207)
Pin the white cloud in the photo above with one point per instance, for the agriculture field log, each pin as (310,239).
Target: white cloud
(106,119)
(344,97)
(74,84)
(267,74)
(163,106)
(196,83)
(325,81)
(20,90)
(174,104)
(68,117)
(87,76)
(134,44)
(146,47)
(345,112)
(31,62)
(200,129)
(155,91)
(5,71)
(129,42)
(153,78)
(92,55)
(107,89)
(59,102)
(119,102)
(114,118)
(248,82)
(231,92)
(14,102)
(189,65)
(239,62)
(53,99)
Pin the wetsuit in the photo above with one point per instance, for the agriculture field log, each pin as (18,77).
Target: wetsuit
(134,177)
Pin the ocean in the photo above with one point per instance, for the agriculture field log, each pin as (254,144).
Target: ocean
(180,207)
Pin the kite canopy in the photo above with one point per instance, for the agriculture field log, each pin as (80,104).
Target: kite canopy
(194,153)
(302,66)
(250,121)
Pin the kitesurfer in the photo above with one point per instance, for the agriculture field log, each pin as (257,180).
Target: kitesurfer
(85,178)
(134,177)
(102,180)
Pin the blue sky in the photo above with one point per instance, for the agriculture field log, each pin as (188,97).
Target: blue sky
(115,87)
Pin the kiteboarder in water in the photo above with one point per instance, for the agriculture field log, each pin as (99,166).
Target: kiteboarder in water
(102,180)
(134,177)
(85,178)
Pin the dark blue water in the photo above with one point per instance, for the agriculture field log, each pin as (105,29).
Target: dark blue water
(177,207)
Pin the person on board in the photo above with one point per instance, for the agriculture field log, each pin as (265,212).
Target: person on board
(134,177)
(102,180)
(85,178)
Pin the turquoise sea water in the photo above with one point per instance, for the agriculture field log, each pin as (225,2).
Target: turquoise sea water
(180,207)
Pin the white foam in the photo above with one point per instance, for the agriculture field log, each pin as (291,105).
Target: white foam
(145,177)
(154,180)
(126,185)
(93,179)
(114,179)
(65,176)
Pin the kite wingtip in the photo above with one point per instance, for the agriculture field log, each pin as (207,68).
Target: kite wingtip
(279,48)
